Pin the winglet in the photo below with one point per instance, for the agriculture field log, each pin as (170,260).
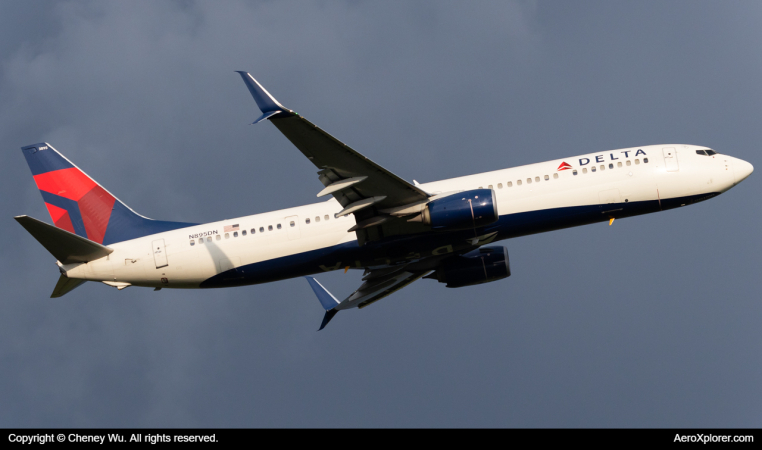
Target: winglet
(266,102)
(327,318)
(327,299)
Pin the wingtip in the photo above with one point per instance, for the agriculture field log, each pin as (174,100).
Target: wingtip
(327,300)
(264,100)
(327,317)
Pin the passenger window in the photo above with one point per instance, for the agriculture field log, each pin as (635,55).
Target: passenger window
(261,229)
(574,172)
(584,170)
(637,161)
(279,227)
(529,181)
(317,218)
(593,169)
(509,184)
(645,160)
(292,223)
(619,164)
(193,242)
(269,228)
(629,163)
(603,167)
(547,178)
(537,179)
(218,237)
(235,234)
(201,241)
(518,182)
(500,185)
(490,186)
(243,233)
(227,235)
(209,238)
(555,175)
(325,217)
(481,187)
(611,165)
(307,220)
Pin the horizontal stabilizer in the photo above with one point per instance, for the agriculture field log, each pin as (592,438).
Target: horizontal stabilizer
(65,285)
(67,247)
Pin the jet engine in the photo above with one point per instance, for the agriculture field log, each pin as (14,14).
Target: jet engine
(479,266)
(461,211)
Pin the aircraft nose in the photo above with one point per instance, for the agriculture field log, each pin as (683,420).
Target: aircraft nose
(741,170)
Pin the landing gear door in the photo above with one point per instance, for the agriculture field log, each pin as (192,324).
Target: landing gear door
(159,253)
(670,159)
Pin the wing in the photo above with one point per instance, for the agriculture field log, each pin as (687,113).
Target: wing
(377,285)
(363,188)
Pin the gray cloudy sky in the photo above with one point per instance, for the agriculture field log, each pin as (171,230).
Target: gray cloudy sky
(654,321)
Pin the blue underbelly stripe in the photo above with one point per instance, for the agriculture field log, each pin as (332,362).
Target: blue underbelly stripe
(399,247)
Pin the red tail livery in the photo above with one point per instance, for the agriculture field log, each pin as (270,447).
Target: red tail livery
(79,205)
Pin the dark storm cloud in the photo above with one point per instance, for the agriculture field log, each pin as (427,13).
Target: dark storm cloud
(650,322)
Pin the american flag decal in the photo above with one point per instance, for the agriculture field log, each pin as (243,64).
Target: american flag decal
(230,228)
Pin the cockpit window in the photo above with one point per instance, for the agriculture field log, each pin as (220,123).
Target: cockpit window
(711,152)
(701,152)
(707,152)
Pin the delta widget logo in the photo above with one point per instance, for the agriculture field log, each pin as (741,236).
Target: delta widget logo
(564,166)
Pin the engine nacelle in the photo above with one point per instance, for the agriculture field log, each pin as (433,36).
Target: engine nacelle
(464,210)
(479,266)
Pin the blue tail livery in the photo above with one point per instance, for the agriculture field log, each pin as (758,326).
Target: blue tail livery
(79,205)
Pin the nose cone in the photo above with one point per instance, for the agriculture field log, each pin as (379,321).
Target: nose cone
(741,170)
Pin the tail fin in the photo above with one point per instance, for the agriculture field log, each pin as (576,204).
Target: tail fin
(79,205)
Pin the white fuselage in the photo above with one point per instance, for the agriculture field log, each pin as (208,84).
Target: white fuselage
(187,257)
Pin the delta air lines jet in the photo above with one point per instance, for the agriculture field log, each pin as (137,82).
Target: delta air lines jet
(393,230)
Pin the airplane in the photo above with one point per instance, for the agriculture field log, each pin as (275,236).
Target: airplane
(395,231)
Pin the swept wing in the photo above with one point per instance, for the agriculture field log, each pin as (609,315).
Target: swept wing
(361,186)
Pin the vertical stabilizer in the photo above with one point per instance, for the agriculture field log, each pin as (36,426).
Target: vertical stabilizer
(80,205)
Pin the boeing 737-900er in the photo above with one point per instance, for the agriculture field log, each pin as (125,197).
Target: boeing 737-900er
(393,230)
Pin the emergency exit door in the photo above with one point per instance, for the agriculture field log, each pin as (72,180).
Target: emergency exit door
(159,253)
(292,225)
(670,159)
